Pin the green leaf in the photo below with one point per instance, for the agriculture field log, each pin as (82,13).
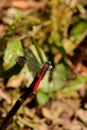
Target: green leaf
(9,34)
(58,48)
(79,29)
(76,85)
(38,51)
(60,74)
(42,98)
(55,37)
(12,52)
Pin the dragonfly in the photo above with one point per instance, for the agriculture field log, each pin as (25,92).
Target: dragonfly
(31,88)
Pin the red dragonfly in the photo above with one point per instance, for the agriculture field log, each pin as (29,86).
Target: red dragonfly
(31,88)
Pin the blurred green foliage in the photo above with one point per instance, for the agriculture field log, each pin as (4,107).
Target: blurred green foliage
(51,30)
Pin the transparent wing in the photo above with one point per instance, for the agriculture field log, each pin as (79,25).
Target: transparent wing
(61,77)
(66,75)
(61,74)
(31,61)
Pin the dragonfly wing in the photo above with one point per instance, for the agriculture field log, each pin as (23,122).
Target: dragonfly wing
(30,60)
